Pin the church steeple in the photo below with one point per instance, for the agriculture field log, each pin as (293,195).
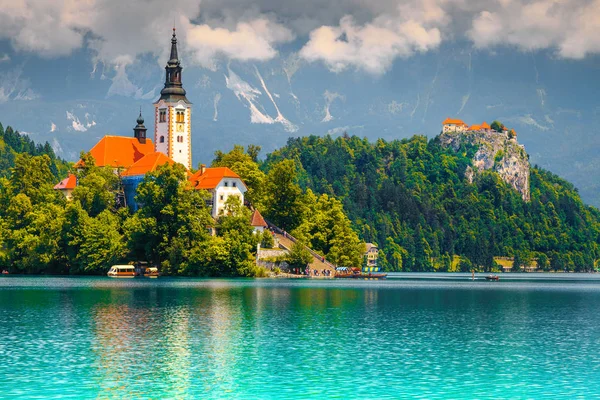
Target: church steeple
(139,132)
(173,90)
(173,114)
(174,57)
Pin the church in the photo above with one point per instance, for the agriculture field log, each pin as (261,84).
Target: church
(133,157)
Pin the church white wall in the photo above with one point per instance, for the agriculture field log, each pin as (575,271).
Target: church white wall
(222,193)
(180,151)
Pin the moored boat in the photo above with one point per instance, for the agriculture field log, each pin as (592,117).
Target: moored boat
(356,273)
(492,278)
(151,272)
(122,271)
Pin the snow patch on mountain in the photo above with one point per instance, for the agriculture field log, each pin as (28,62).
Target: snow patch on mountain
(330,97)
(280,118)
(58,150)
(243,91)
(216,104)
(76,123)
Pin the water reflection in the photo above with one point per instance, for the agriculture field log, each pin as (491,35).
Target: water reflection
(263,339)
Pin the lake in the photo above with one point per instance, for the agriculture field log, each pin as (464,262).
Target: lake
(413,335)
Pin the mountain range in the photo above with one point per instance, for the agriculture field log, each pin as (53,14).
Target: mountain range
(551,102)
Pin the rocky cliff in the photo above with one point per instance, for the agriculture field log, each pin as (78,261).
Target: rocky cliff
(496,152)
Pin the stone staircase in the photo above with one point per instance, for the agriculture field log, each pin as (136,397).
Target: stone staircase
(286,241)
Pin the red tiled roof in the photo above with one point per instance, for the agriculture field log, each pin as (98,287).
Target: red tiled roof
(211,177)
(148,163)
(485,125)
(70,182)
(257,219)
(475,128)
(119,151)
(450,121)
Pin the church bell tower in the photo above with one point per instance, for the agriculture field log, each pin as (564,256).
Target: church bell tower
(173,114)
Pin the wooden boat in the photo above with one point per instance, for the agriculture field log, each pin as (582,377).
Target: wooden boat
(151,272)
(492,278)
(4,272)
(122,271)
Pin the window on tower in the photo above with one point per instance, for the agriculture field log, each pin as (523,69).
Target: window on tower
(180,117)
(179,139)
(162,139)
(162,115)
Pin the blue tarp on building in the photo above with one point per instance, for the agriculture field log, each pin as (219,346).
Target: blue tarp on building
(130,184)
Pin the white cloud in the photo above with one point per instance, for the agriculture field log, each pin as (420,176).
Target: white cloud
(251,40)
(343,34)
(373,46)
(569,26)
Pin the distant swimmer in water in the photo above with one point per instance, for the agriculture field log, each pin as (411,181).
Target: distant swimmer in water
(473,274)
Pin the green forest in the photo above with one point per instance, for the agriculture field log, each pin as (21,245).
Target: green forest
(410,197)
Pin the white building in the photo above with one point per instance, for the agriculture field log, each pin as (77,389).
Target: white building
(222,183)
(173,114)
(453,125)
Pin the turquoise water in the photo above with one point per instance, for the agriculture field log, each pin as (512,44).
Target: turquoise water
(414,336)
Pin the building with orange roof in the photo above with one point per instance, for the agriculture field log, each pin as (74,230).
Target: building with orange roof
(134,175)
(474,128)
(453,125)
(67,185)
(221,183)
(258,222)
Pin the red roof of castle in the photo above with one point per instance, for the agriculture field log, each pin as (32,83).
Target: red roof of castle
(485,125)
(475,128)
(450,121)
(119,151)
(211,177)
(257,219)
(70,182)
(148,163)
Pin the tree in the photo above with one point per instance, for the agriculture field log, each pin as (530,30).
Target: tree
(284,205)
(172,218)
(299,256)
(96,189)
(497,126)
(31,176)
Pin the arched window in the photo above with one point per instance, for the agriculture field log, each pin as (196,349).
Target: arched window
(162,139)
(180,117)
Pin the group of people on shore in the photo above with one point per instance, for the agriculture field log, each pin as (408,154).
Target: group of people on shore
(316,272)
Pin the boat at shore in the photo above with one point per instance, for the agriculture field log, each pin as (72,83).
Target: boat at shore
(151,272)
(121,271)
(492,278)
(357,273)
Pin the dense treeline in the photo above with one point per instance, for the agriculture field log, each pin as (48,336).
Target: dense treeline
(12,143)
(411,198)
(42,232)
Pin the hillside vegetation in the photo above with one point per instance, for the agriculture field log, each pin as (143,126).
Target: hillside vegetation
(411,198)
(13,143)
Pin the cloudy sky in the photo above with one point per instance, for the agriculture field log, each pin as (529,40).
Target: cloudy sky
(363,35)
